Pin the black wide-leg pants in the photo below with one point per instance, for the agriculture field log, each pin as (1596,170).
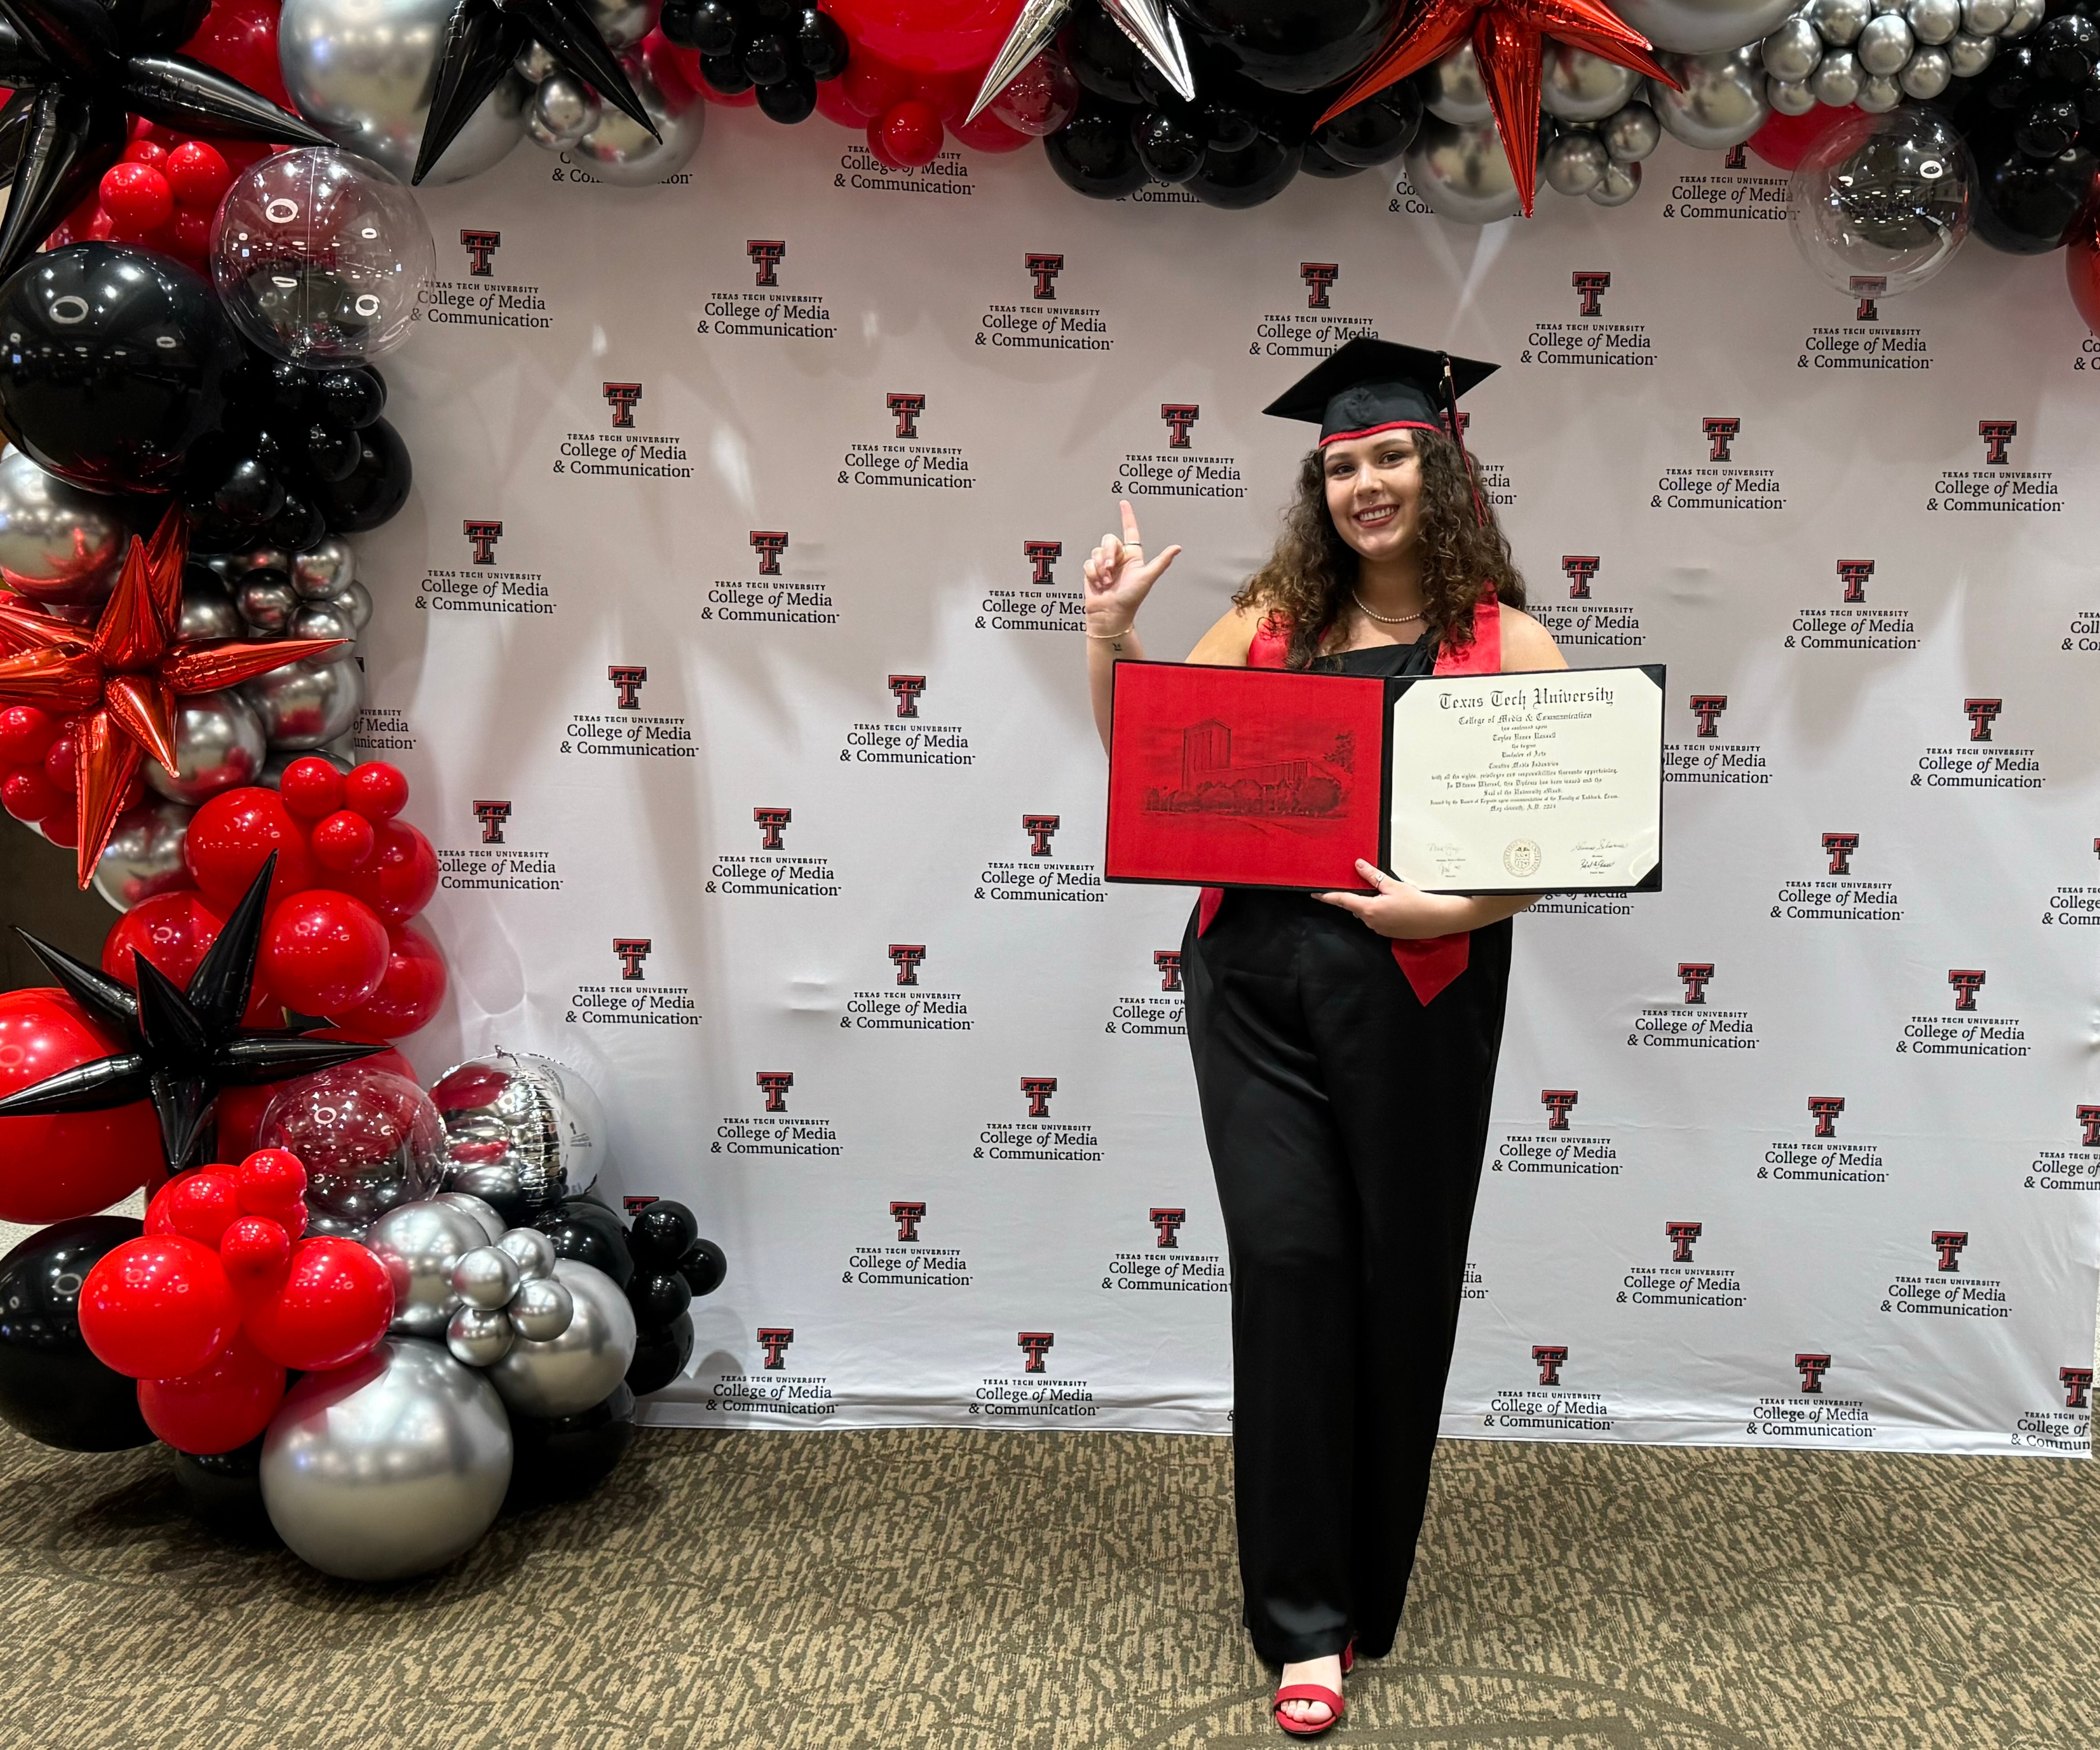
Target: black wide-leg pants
(1347,1122)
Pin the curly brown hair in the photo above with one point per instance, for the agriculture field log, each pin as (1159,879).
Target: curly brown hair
(1306,581)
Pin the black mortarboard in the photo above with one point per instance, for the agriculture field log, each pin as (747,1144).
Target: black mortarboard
(1372,385)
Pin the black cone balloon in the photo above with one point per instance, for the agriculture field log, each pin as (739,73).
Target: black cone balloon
(113,361)
(51,1388)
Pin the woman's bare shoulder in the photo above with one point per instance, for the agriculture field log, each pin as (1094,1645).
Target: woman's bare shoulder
(1224,645)
(1526,644)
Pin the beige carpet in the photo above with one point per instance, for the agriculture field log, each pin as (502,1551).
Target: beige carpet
(931,1588)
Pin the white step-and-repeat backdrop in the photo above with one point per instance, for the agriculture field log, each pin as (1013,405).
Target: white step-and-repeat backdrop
(732,641)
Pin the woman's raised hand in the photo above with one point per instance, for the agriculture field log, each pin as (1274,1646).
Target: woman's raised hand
(1119,577)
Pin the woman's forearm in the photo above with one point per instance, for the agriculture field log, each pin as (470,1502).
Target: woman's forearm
(1104,652)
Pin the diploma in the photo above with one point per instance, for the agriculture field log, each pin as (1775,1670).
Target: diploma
(1526,783)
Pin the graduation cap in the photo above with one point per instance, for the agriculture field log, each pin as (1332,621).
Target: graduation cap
(1373,386)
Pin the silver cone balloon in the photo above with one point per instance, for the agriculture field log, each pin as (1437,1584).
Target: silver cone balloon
(578,1369)
(363,72)
(1149,24)
(391,1467)
(59,546)
(144,855)
(1035,29)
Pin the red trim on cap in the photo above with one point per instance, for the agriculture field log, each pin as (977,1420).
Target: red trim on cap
(1372,431)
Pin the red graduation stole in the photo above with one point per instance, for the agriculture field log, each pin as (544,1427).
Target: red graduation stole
(1433,961)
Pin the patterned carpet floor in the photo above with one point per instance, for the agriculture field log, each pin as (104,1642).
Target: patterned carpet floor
(875,1590)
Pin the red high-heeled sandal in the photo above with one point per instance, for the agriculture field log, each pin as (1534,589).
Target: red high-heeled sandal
(1330,1699)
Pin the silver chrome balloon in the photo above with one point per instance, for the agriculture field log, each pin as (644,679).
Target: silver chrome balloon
(535,61)
(2026,13)
(479,1336)
(581,1366)
(1618,185)
(497,1181)
(1575,86)
(1788,98)
(322,619)
(1933,22)
(1926,73)
(562,112)
(219,745)
(491,1224)
(302,707)
(421,1244)
(486,1277)
(355,600)
(1791,52)
(1575,163)
(389,1467)
(618,151)
(1839,22)
(1453,90)
(1703,27)
(1968,55)
(1986,18)
(324,569)
(542,1310)
(1722,102)
(1878,95)
(363,72)
(207,609)
(531,1250)
(1884,45)
(58,544)
(267,602)
(1836,80)
(536,1116)
(622,23)
(144,855)
(1463,172)
(1631,134)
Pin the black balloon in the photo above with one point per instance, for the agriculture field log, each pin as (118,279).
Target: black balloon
(660,1356)
(1106,61)
(1375,131)
(352,396)
(51,1388)
(660,1233)
(585,1230)
(1093,152)
(1290,45)
(563,1458)
(376,488)
(703,1267)
(789,100)
(113,361)
(820,44)
(223,1491)
(1170,150)
(659,1298)
(2027,206)
(1315,162)
(1245,177)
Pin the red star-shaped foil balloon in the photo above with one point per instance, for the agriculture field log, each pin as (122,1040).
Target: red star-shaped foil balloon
(124,676)
(1508,38)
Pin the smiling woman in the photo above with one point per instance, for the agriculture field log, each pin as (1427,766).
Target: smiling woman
(1345,1044)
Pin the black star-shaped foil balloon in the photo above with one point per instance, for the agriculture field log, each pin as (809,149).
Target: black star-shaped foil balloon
(481,39)
(80,69)
(183,1045)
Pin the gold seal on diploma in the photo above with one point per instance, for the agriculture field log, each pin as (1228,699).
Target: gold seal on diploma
(1520,856)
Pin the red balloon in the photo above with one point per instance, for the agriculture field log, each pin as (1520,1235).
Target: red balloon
(323,952)
(223,1405)
(198,175)
(1784,140)
(200,1205)
(137,200)
(833,105)
(175,930)
(401,877)
(257,1252)
(29,795)
(412,991)
(336,1303)
(312,788)
(343,841)
(157,1307)
(869,86)
(239,36)
(2081,266)
(908,136)
(26,735)
(69,1163)
(989,134)
(927,36)
(375,790)
(239,1112)
(270,1179)
(230,836)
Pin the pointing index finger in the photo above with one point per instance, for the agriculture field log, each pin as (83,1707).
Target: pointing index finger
(1130,534)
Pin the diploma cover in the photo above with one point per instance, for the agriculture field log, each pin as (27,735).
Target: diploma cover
(1519,783)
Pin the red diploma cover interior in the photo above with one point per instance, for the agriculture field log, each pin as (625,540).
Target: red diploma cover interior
(1245,777)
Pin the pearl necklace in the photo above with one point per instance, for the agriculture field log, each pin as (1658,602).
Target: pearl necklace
(1386,620)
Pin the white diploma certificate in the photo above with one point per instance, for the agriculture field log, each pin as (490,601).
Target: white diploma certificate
(1528,783)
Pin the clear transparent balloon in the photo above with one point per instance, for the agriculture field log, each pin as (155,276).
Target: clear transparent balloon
(1041,98)
(370,1141)
(320,256)
(1881,204)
